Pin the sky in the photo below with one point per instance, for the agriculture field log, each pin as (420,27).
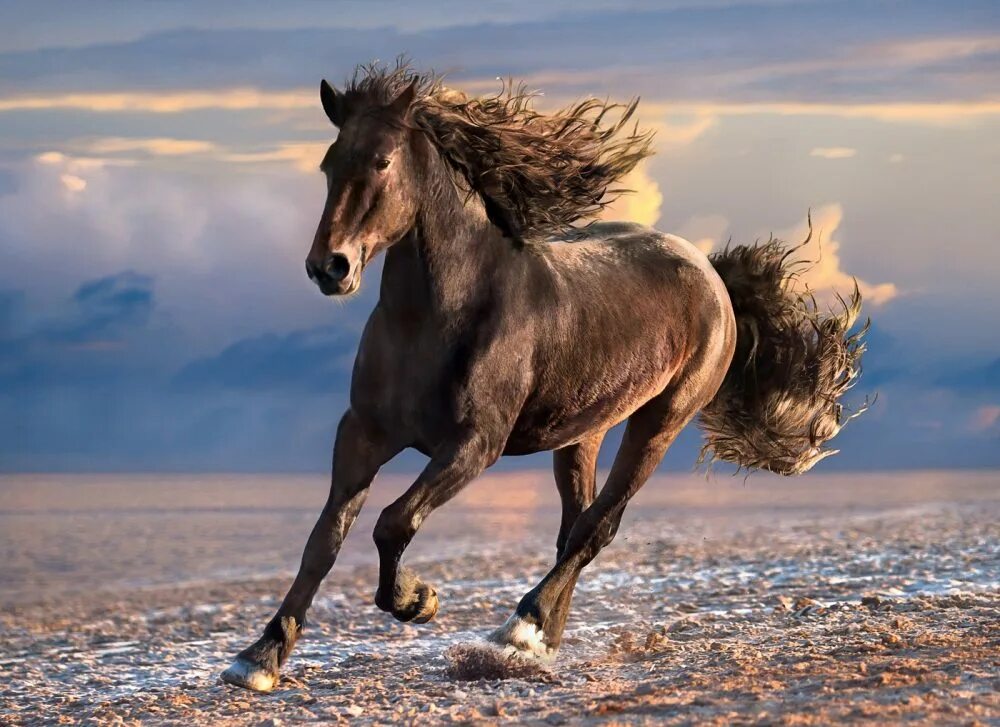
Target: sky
(159,191)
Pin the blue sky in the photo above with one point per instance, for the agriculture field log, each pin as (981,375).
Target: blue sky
(158,194)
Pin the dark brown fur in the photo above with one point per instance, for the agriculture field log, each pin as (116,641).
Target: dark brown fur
(482,346)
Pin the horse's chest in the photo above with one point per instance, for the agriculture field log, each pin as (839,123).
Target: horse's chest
(397,382)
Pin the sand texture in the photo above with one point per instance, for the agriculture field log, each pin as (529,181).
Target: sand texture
(845,599)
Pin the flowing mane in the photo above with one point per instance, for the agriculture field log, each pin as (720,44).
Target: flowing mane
(538,173)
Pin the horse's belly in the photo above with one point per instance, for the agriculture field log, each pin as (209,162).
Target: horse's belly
(562,418)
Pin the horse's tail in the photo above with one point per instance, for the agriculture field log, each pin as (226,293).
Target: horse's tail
(778,404)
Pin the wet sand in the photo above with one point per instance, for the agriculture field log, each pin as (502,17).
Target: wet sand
(858,598)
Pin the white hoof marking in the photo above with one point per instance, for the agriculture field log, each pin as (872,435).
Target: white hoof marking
(244,674)
(524,639)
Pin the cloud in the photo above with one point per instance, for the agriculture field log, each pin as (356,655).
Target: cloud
(704,231)
(108,307)
(305,156)
(876,51)
(233,99)
(157,146)
(89,154)
(925,51)
(314,361)
(825,275)
(705,113)
(833,152)
(985,418)
(673,133)
(73,183)
(80,339)
(77,163)
(896,158)
(642,205)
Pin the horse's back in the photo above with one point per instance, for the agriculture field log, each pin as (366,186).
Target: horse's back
(618,251)
(628,238)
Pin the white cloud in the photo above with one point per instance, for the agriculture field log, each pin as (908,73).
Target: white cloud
(825,275)
(71,171)
(226,249)
(833,152)
(72,182)
(896,158)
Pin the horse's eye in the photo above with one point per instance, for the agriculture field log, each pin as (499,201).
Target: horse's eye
(381,164)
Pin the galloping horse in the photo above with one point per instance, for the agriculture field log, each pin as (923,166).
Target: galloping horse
(503,329)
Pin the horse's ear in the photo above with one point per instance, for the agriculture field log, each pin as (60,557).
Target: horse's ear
(333,103)
(401,104)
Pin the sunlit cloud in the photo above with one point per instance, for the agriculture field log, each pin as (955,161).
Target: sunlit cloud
(304,156)
(76,163)
(157,146)
(929,50)
(833,152)
(73,183)
(239,99)
(253,99)
(642,204)
(896,158)
(73,171)
(670,133)
(825,275)
(935,114)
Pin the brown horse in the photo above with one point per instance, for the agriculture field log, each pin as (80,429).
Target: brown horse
(501,328)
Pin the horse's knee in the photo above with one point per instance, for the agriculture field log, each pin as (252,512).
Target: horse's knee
(394,527)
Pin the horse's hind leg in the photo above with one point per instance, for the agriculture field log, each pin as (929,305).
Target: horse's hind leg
(575,469)
(531,630)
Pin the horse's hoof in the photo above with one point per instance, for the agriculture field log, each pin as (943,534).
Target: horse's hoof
(523,639)
(428,606)
(243,673)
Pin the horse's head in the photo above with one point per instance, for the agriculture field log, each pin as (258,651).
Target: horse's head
(371,182)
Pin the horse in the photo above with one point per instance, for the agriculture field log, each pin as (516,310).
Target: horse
(504,326)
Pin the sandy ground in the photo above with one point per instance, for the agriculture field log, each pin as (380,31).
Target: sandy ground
(869,598)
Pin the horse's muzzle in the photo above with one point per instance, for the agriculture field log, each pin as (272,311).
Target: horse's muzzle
(334,275)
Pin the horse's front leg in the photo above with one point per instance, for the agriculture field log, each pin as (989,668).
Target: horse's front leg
(357,456)
(400,592)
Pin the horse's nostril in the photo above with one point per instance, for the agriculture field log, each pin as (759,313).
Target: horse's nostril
(337,266)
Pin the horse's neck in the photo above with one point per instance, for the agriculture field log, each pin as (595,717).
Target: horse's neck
(445,264)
